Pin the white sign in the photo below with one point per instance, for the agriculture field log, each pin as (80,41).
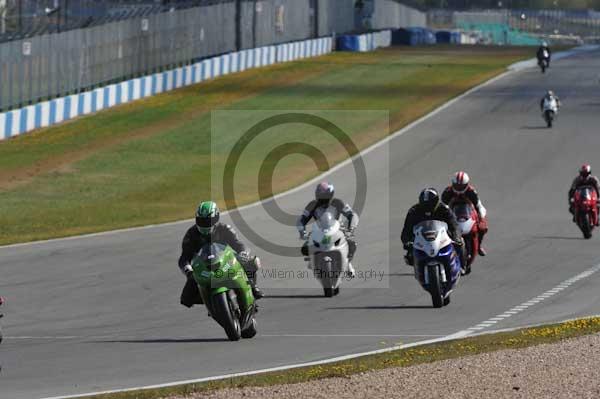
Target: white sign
(145,24)
(259,6)
(26,48)
(279,15)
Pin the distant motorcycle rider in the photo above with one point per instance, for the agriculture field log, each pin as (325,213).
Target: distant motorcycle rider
(461,189)
(325,201)
(584,179)
(207,229)
(541,53)
(549,96)
(430,208)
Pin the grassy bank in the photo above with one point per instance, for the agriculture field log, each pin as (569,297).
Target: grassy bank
(401,358)
(150,161)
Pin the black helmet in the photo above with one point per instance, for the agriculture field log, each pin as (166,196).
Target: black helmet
(429,199)
(585,171)
(324,193)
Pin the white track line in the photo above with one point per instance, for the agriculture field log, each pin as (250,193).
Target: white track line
(141,339)
(510,70)
(526,305)
(352,335)
(262,371)
(451,337)
(340,165)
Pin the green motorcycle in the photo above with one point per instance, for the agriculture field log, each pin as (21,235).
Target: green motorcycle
(225,290)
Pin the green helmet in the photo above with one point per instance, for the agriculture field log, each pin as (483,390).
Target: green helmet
(207,216)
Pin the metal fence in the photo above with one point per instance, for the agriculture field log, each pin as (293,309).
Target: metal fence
(573,26)
(60,63)
(27,18)
(387,14)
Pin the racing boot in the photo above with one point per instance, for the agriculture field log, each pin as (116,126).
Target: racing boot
(351,271)
(481,251)
(257,292)
(352,250)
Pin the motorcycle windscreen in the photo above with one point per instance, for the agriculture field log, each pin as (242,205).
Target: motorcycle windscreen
(462,211)
(211,254)
(550,104)
(326,221)
(585,192)
(430,226)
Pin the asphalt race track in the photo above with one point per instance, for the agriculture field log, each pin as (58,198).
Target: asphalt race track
(102,312)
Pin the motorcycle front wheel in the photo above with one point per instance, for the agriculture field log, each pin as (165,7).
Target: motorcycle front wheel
(226,318)
(586,226)
(435,287)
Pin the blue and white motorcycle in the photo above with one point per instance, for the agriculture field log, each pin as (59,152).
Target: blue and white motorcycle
(437,262)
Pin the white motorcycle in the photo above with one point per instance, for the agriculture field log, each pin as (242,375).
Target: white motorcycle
(437,263)
(328,253)
(550,111)
(545,61)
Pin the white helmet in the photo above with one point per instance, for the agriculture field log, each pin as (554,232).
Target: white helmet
(544,44)
(460,182)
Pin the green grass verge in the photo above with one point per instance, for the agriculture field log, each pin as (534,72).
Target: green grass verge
(545,334)
(150,161)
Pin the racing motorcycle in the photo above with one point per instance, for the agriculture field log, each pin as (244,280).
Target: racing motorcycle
(545,61)
(328,253)
(225,290)
(549,111)
(585,206)
(437,263)
(468,221)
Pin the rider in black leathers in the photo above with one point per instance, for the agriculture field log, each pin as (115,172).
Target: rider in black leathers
(202,233)
(540,53)
(430,208)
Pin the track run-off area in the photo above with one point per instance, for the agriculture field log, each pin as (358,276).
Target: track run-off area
(102,312)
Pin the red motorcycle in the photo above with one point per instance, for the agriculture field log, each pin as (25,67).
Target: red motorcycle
(585,206)
(468,221)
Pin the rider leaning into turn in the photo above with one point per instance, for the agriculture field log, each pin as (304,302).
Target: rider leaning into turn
(461,189)
(585,178)
(549,96)
(324,201)
(431,208)
(206,230)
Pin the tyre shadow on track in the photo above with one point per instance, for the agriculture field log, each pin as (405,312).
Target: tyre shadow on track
(293,296)
(557,238)
(537,127)
(163,341)
(381,307)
